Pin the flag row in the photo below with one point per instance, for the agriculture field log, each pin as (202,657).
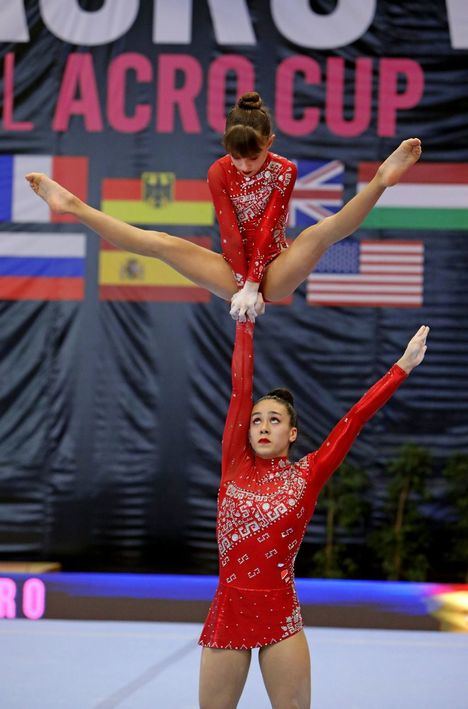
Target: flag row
(52,266)
(431,196)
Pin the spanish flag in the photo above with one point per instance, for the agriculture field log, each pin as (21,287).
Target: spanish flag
(158,198)
(131,277)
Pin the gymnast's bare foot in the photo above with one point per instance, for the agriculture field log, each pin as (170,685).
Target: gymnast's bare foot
(57,197)
(392,169)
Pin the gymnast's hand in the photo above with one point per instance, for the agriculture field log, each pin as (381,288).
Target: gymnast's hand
(259,305)
(415,350)
(247,303)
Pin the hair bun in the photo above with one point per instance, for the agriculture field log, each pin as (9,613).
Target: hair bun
(282,393)
(250,101)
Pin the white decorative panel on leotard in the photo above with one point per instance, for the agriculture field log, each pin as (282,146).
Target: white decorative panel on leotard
(244,513)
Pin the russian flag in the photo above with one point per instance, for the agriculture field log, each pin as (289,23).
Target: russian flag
(42,266)
(18,203)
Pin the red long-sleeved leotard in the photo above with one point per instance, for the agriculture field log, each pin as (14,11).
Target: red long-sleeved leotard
(264,506)
(252,213)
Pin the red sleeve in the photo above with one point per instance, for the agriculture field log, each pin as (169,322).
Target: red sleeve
(231,239)
(273,218)
(236,446)
(332,452)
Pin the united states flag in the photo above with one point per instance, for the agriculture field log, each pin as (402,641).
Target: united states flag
(369,273)
(318,191)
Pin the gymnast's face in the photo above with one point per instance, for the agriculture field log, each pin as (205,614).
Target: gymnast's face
(250,165)
(270,431)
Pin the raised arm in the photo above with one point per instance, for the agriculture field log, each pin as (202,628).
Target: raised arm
(333,450)
(236,447)
(231,239)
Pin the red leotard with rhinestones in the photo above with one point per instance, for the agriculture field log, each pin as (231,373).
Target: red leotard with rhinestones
(263,510)
(252,213)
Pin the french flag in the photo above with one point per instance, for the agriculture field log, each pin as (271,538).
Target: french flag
(19,204)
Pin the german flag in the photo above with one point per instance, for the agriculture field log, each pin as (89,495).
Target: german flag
(158,198)
(131,277)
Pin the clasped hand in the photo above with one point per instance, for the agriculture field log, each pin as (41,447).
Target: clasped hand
(246,305)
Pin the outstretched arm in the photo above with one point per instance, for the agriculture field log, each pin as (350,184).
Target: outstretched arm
(333,450)
(351,216)
(236,445)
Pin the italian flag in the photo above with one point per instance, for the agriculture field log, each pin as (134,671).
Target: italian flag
(431,196)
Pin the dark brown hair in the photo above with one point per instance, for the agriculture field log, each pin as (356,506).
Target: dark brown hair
(248,126)
(285,397)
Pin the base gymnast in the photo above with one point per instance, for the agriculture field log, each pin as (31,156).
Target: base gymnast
(264,505)
(281,270)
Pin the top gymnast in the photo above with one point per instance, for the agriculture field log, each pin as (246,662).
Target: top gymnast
(251,188)
(264,505)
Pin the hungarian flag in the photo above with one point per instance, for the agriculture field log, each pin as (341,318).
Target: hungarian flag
(18,203)
(158,198)
(42,266)
(430,196)
(126,276)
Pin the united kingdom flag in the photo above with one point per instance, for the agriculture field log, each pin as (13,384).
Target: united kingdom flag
(318,191)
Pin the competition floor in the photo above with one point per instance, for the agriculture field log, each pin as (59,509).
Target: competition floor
(52,664)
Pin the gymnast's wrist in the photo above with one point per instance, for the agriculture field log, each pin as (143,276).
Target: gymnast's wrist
(405,365)
(251,287)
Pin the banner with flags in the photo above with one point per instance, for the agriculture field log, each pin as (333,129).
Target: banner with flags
(115,368)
